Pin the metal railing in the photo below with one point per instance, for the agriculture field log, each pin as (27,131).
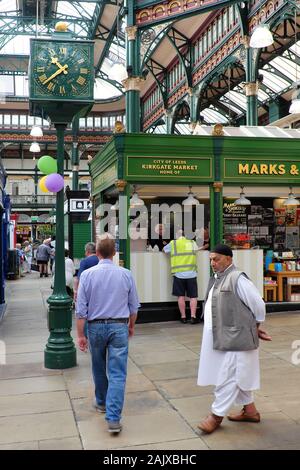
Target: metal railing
(32,199)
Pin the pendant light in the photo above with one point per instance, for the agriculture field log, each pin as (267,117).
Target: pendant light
(242,200)
(291,200)
(135,201)
(34,147)
(36,131)
(261,37)
(190,200)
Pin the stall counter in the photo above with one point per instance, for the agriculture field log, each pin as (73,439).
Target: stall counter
(154,281)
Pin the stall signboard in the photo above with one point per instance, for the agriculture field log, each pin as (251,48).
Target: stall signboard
(105,179)
(238,169)
(179,168)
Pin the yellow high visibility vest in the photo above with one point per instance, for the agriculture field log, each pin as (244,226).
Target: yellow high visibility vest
(183,256)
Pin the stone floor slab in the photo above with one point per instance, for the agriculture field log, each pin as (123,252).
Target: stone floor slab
(68,443)
(35,427)
(34,403)
(179,388)
(171,370)
(32,385)
(137,430)
(160,357)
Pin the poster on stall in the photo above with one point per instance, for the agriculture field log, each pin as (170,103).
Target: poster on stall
(292,238)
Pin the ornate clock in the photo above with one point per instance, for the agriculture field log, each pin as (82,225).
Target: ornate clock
(61,70)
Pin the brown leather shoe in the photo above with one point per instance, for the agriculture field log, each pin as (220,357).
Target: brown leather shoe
(210,423)
(245,417)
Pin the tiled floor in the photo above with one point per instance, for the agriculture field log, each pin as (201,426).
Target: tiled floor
(49,409)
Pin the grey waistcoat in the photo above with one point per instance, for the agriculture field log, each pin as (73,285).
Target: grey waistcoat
(233,324)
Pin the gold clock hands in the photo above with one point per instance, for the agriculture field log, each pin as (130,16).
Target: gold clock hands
(62,69)
(54,60)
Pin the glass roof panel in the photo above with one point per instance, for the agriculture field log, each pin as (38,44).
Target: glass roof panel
(104,90)
(230,106)
(8,5)
(237,98)
(262,96)
(18,45)
(273,82)
(183,129)
(86,9)
(21,84)
(162,129)
(289,68)
(213,117)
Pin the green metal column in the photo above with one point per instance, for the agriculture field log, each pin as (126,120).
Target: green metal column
(75,153)
(133,83)
(216,193)
(60,352)
(216,212)
(124,205)
(251,86)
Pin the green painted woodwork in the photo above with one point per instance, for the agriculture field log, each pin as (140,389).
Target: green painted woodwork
(154,168)
(61,70)
(123,157)
(81,236)
(123,228)
(105,179)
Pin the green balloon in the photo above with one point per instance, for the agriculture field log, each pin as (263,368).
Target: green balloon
(47,165)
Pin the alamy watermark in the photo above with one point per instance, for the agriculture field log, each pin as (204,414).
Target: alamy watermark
(156,221)
(2,352)
(295,357)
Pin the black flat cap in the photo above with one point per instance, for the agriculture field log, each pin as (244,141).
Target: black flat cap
(222,250)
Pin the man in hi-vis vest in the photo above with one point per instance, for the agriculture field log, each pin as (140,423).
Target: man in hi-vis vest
(184,271)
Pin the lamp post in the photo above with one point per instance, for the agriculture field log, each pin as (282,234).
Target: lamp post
(75,154)
(60,352)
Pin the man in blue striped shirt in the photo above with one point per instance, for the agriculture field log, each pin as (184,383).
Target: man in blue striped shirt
(107,299)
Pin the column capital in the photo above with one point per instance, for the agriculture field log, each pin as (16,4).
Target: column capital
(133,83)
(120,185)
(218,186)
(131,32)
(251,88)
(245,40)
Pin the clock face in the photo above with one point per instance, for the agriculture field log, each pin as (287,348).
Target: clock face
(61,70)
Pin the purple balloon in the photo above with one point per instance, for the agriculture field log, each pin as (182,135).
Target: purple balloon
(54,182)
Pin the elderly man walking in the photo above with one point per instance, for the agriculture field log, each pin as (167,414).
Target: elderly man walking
(229,354)
(108,300)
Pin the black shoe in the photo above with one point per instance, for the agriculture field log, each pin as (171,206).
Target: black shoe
(194,321)
(41,275)
(183,320)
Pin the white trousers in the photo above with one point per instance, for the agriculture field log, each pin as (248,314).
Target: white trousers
(228,394)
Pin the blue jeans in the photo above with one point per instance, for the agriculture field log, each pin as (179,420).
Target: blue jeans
(109,350)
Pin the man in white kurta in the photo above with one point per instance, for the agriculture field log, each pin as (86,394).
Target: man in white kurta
(235,374)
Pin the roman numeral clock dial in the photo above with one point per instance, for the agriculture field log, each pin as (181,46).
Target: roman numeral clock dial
(62,71)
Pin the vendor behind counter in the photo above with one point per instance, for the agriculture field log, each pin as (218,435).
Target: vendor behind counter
(161,241)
